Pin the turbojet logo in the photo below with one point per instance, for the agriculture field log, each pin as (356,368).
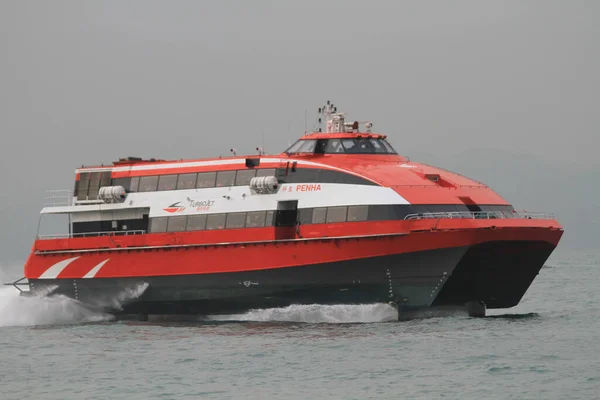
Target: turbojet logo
(200,205)
(175,208)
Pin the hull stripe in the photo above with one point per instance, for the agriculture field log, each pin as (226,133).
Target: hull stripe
(56,269)
(92,272)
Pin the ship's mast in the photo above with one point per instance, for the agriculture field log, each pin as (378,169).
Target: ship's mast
(334,121)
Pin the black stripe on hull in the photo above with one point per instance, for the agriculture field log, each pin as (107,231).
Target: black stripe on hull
(497,273)
(410,279)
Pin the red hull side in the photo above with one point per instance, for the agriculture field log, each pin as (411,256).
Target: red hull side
(192,253)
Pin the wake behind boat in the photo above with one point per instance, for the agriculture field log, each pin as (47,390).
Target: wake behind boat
(337,218)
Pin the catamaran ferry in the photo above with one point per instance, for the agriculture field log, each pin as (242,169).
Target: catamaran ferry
(337,218)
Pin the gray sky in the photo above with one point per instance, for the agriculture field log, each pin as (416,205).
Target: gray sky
(88,82)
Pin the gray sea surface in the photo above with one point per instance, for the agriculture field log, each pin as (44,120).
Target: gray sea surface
(548,347)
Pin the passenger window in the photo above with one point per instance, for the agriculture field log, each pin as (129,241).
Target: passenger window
(269,218)
(167,182)
(255,219)
(357,213)
(186,181)
(177,224)
(206,179)
(125,182)
(215,221)
(265,172)
(158,224)
(82,187)
(244,176)
(105,178)
(148,184)
(135,182)
(319,215)
(336,214)
(196,223)
(235,220)
(225,178)
(305,215)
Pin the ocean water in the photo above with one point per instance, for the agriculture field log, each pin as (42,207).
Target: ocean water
(548,347)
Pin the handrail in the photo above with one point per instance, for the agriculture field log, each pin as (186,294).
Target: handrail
(58,198)
(90,234)
(481,215)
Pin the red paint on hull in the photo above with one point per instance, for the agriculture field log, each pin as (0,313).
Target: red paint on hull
(238,250)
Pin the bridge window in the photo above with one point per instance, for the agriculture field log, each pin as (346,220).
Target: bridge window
(334,146)
(206,179)
(167,182)
(186,181)
(358,145)
(225,178)
(244,176)
(148,184)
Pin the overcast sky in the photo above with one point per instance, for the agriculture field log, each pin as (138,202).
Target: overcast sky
(85,82)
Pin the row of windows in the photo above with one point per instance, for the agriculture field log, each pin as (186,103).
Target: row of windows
(254,219)
(89,183)
(341,146)
(339,214)
(191,180)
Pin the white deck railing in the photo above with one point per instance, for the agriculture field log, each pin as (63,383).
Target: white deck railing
(481,215)
(58,198)
(91,234)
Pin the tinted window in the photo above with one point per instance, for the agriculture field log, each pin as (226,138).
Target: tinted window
(334,146)
(235,220)
(357,213)
(206,179)
(215,221)
(255,219)
(336,214)
(82,187)
(158,224)
(125,182)
(388,146)
(358,146)
(377,146)
(135,182)
(269,218)
(148,183)
(225,178)
(244,176)
(186,181)
(167,182)
(196,222)
(302,146)
(319,215)
(305,215)
(265,172)
(177,224)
